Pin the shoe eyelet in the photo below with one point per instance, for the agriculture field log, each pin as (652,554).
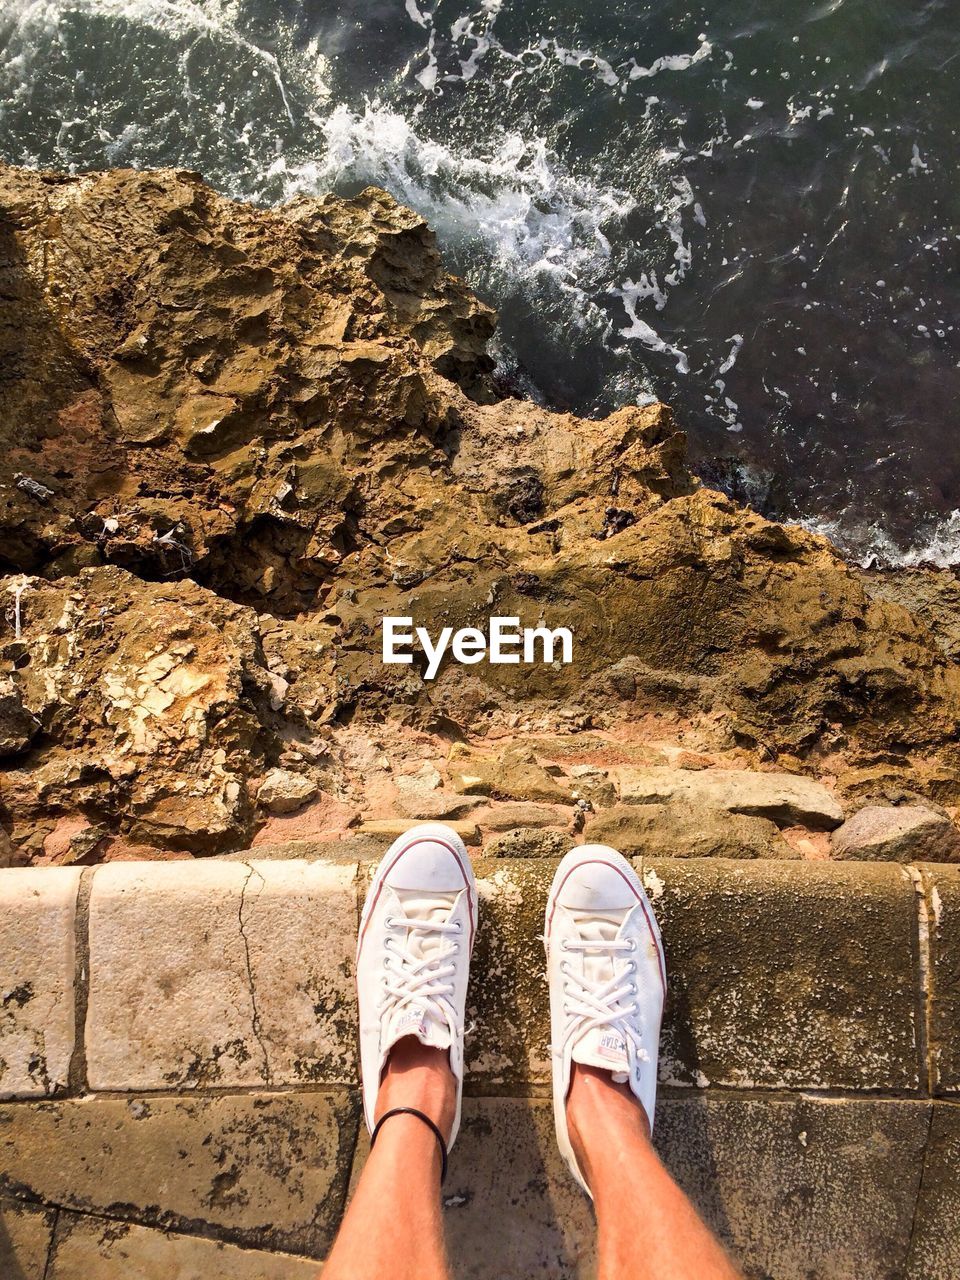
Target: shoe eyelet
(633,946)
(564,945)
(459,926)
(390,922)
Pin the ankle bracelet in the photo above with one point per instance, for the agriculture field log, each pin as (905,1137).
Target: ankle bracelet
(412,1111)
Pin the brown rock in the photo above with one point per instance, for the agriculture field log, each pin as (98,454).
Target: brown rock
(785,798)
(593,785)
(507,815)
(898,833)
(393,827)
(432,806)
(680,830)
(293,409)
(8,854)
(932,595)
(154,703)
(284,792)
(881,782)
(515,774)
(18,727)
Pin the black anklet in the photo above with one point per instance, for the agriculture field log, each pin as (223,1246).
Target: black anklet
(412,1111)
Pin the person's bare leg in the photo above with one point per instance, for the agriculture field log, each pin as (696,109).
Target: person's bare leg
(393,1228)
(647,1228)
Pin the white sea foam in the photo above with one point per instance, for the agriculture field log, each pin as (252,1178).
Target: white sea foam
(672,62)
(478,28)
(736,346)
(631,294)
(36,22)
(871,546)
(518,200)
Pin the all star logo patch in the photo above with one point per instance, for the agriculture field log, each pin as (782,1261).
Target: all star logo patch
(412,1023)
(612,1046)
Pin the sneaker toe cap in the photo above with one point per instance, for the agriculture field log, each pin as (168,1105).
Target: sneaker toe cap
(601,880)
(430,861)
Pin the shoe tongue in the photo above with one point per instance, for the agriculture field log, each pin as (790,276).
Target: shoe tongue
(602,1047)
(419,1017)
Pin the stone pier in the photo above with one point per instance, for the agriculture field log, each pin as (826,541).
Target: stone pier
(178,1069)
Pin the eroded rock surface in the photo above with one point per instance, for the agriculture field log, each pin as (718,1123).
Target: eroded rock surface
(234,439)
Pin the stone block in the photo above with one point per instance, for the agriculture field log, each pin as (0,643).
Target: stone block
(799,1188)
(507,1000)
(785,798)
(266,1170)
(26,1231)
(780,975)
(101,1249)
(787,975)
(506,1170)
(935,1242)
(942,888)
(221,974)
(37,954)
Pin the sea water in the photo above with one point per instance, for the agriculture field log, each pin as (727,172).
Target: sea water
(750,210)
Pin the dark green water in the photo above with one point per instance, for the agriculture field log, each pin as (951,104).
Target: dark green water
(751,210)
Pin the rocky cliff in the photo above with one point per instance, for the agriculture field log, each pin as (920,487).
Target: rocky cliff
(234,439)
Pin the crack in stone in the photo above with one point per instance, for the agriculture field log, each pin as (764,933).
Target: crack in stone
(251,1240)
(51,1247)
(925,1045)
(257,1026)
(920,1181)
(77,1067)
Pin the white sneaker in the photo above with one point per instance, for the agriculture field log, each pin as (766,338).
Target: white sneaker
(413,953)
(607,979)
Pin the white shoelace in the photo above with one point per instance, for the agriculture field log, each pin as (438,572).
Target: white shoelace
(593,1004)
(422,981)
